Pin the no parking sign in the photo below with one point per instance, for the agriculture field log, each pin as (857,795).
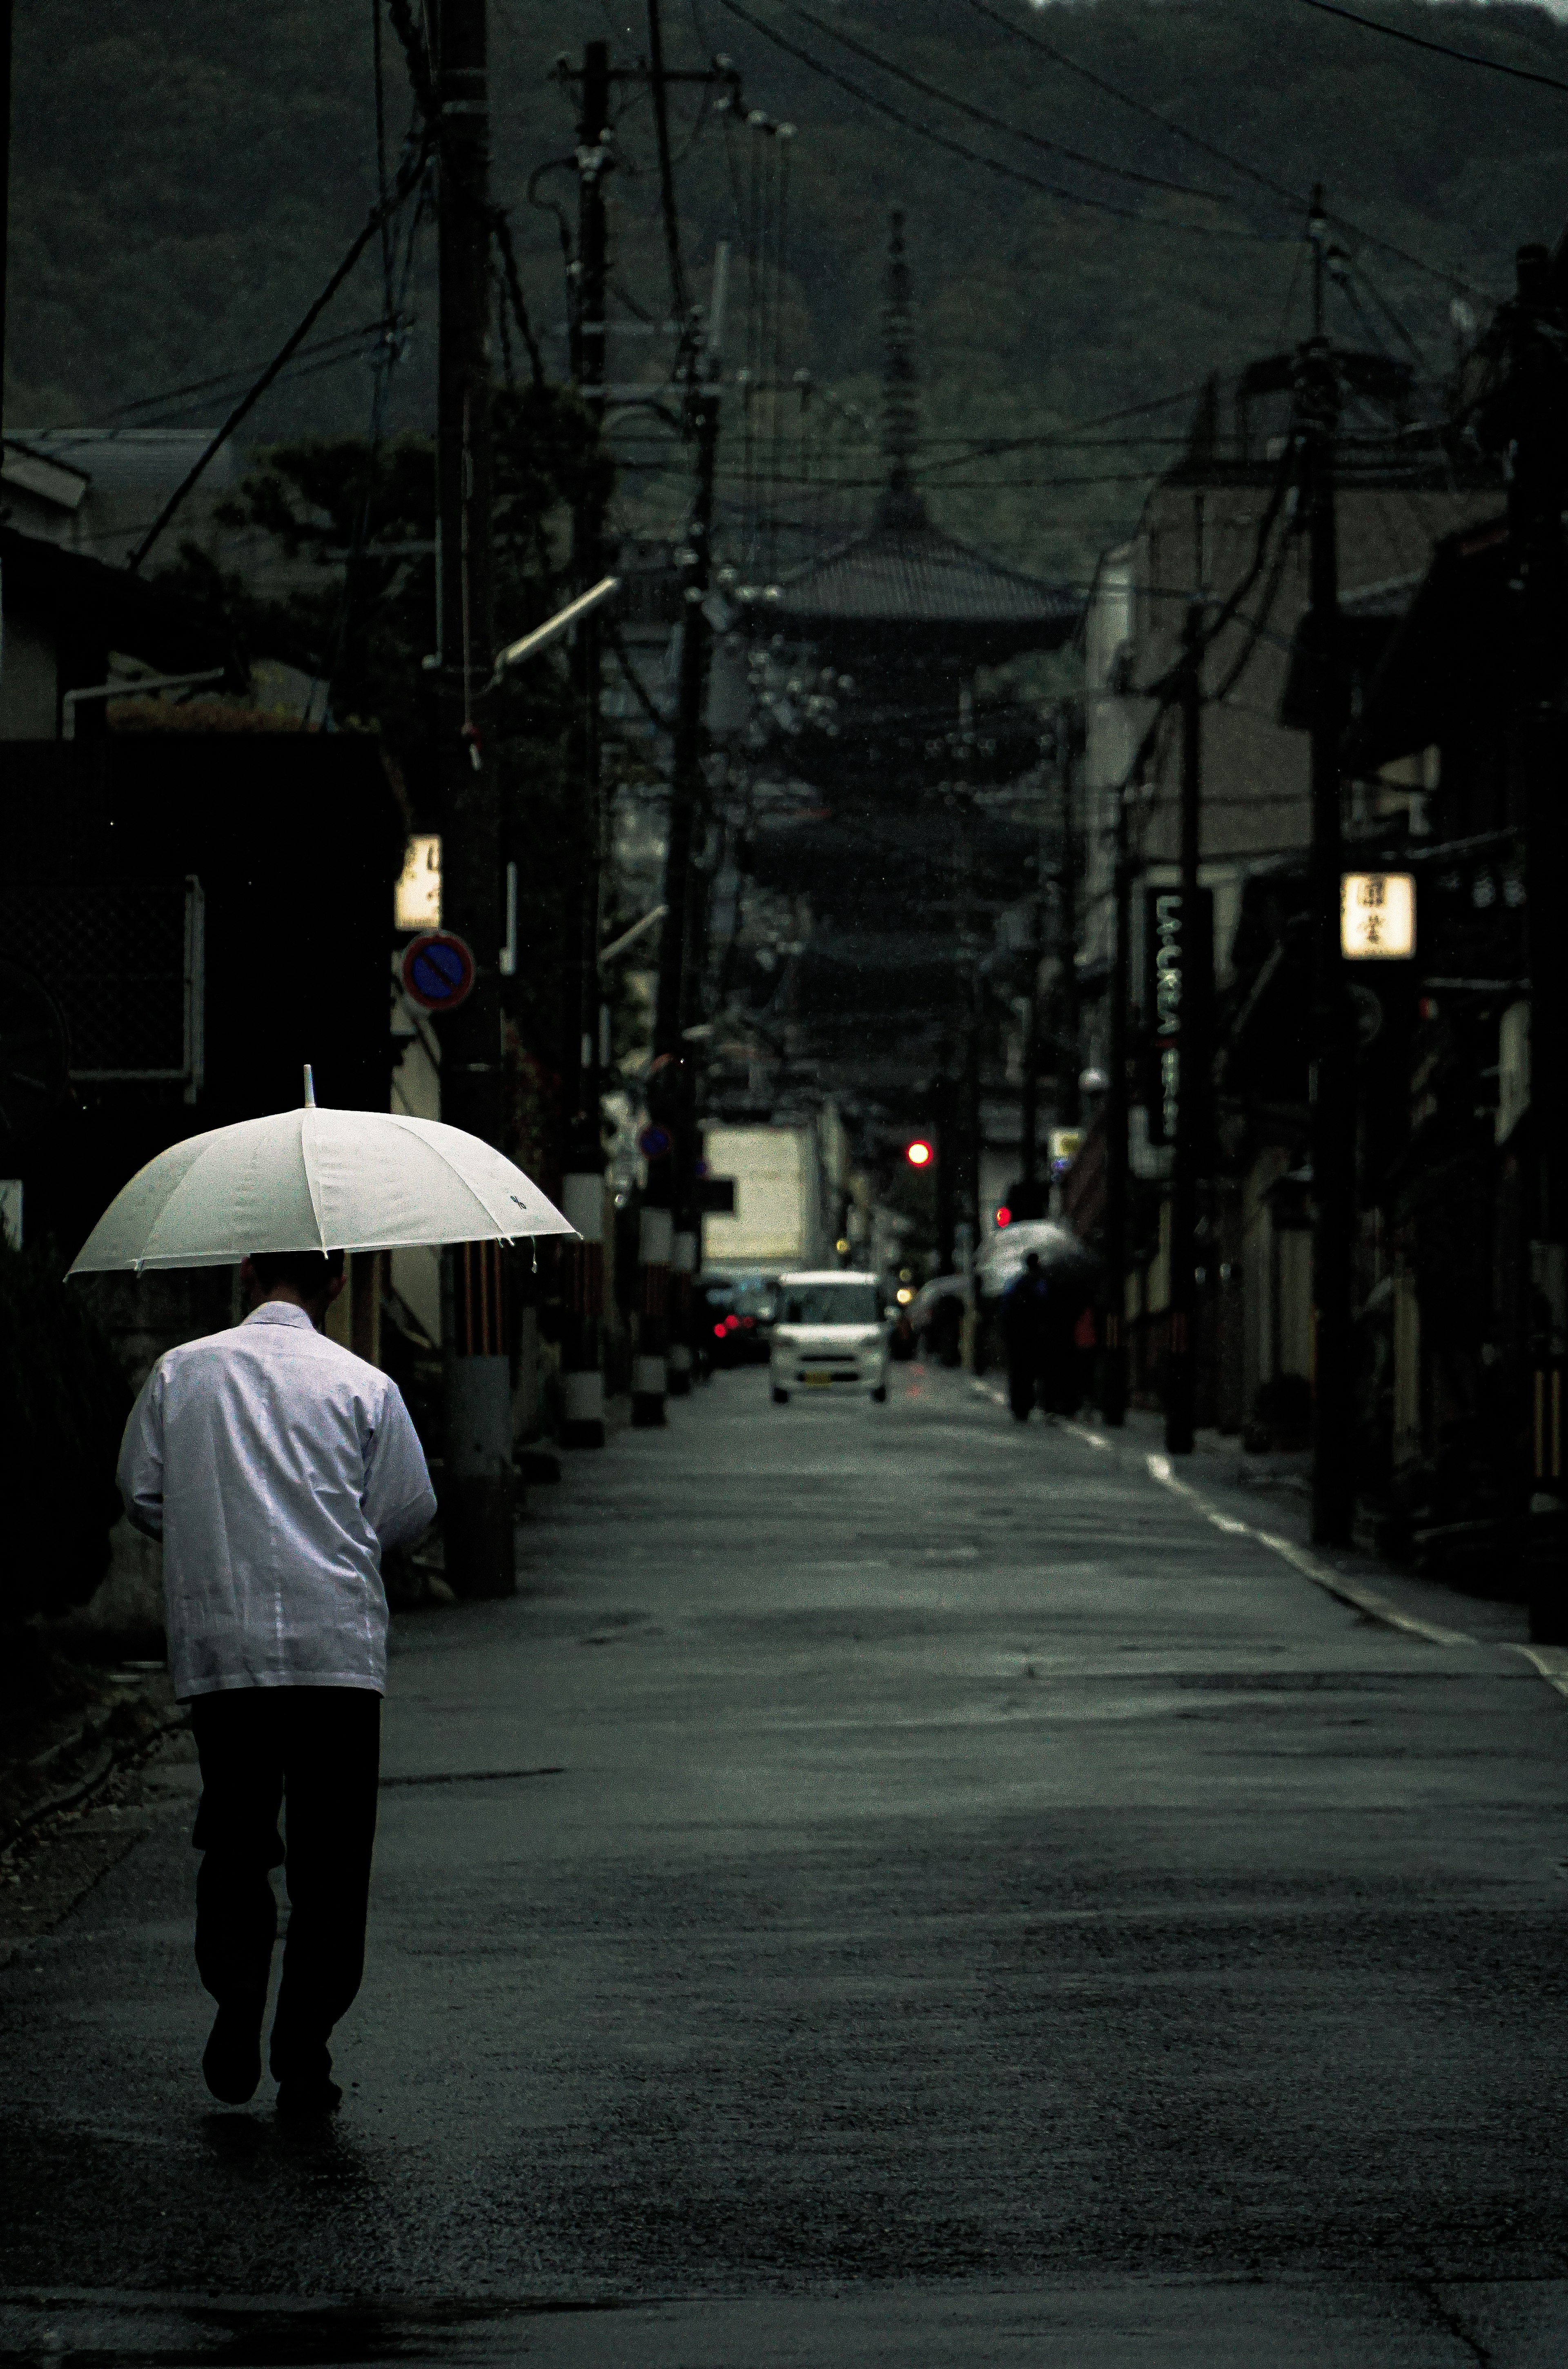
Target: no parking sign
(438,970)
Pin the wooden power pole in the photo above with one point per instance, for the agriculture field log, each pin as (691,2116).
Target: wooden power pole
(1333,1120)
(477,1495)
(1191,1053)
(583,1200)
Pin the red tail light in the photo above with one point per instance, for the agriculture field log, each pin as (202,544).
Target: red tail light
(718,1332)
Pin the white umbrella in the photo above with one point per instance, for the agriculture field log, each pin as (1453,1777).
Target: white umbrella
(1004,1258)
(316,1180)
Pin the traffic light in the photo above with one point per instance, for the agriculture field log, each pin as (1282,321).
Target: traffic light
(920,1153)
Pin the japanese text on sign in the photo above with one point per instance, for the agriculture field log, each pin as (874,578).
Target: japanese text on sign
(1376,916)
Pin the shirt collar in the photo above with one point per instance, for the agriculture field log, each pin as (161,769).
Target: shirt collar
(280,1311)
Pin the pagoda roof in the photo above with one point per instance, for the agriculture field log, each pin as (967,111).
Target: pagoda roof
(904,576)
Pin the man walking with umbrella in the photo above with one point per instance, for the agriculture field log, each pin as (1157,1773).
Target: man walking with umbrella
(276,1467)
(1026,1307)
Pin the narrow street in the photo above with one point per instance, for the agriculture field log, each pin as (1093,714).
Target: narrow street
(895,1887)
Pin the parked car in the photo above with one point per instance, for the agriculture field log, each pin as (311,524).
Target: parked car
(830,1335)
(736,1319)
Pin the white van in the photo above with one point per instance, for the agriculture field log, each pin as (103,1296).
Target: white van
(829,1335)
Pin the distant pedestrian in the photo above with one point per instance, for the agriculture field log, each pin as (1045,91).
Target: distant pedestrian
(1025,1330)
(276,1466)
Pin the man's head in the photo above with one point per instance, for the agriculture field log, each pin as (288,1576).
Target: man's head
(307,1279)
(1032,1261)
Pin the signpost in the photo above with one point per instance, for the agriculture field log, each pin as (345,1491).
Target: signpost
(437,970)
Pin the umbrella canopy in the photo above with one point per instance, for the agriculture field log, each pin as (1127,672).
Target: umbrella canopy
(941,1287)
(316,1180)
(1002,1261)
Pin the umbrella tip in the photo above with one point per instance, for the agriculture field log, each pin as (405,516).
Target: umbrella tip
(310,1087)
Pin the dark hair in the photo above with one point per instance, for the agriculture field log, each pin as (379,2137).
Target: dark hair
(312,1273)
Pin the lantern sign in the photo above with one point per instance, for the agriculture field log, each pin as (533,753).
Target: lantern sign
(1178,977)
(1376,916)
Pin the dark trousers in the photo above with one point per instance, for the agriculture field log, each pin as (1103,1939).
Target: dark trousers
(317,1751)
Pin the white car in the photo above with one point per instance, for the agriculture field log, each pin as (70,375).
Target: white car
(829,1335)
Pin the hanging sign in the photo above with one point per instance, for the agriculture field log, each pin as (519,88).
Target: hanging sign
(1376,916)
(1178,962)
(437,970)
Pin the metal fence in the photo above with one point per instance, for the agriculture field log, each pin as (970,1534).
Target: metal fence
(125,961)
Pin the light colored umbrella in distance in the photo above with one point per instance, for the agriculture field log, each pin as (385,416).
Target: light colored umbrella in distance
(316,1180)
(1002,1260)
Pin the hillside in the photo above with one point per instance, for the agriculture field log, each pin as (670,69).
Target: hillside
(184,179)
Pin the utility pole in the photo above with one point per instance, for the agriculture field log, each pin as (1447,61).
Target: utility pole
(1333,1073)
(1192,1056)
(5,47)
(582,1191)
(1029,1086)
(478,1493)
(674,1189)
(1525,420)
(1069,1094)
(1113,1366)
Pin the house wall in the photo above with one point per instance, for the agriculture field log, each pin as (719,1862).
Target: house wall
(29,682)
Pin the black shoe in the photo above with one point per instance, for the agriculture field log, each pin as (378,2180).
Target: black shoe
(231,2062)
(303,2100)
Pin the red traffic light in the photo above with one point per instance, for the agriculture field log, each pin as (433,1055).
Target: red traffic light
(1004,1215)
(919,1155)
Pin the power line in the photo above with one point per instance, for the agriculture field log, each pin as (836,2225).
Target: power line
(408,176)
(1221,155)
(1438,48)
(678,295)
(995,122)
(973,156)
(240,376)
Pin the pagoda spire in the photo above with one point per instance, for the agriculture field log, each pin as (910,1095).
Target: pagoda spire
(901,505)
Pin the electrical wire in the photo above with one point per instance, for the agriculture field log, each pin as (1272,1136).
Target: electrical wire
(346,339)
(1438,48)
(1207,147)
(679,297)
(408,176)
(994,165)
(995,122)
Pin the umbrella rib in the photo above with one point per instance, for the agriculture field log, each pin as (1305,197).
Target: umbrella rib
(307,1128)
(399,1120)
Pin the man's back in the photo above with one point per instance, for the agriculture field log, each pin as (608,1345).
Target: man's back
(276,1466)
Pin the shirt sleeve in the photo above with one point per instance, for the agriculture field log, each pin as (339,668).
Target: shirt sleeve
(399,1501)
(139,1472)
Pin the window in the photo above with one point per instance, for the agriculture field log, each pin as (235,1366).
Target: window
(832,1303)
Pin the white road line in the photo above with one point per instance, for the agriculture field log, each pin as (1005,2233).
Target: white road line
(1552,1661)
(1549,1661)
(1321,1574)
(1065,1422)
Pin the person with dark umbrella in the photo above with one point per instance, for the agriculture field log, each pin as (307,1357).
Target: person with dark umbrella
(1025,1320)
(276,1467)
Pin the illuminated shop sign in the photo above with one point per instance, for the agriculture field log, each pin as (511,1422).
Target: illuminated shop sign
(1178,961)
(1376,916)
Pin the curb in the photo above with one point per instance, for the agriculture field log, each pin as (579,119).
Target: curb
(1549,1662)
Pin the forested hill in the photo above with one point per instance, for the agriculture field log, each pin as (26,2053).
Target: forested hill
(184,177)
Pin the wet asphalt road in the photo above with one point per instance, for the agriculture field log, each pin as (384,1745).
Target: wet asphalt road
(895,1889)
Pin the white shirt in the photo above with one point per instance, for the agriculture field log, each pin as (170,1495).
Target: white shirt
(275,1466)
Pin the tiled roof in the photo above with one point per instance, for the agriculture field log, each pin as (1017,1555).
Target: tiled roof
(917,575)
